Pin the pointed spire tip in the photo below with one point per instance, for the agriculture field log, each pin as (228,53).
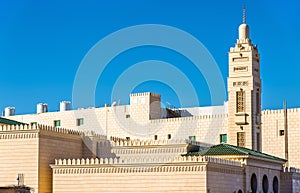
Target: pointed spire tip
(244,14)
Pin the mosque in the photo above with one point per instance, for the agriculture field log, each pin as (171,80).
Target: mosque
(142,147)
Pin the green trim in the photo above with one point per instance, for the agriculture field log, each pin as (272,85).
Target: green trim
(10,122)
(226,149)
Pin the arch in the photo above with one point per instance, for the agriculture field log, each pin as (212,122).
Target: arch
(265,184)
(240,191)
(253,183)
(275,185)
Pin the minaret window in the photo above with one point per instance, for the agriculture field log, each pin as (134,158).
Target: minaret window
(257,102)
(241,139)
(240,101)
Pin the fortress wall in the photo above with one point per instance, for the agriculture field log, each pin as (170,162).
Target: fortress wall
(55,145)
(130,121)
(29,150)
(272,138)
(19,155)
(228,177)
(185,174)
(130,182)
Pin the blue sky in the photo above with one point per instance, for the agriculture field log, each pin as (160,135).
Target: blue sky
(42,44)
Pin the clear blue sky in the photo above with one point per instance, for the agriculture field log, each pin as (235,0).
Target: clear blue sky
(43,43)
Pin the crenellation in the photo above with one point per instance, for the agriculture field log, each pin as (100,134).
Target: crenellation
(150,169)
(122,143)
(137,160)
(39,127)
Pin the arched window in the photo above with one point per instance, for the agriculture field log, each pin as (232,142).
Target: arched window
(265,184)
(253,183)
(275,184)
(240,191)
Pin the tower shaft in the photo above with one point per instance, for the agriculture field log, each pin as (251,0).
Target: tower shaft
(244,93)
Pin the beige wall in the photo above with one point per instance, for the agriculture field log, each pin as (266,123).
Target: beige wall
(19,154)
(224,178)
(206,128)
(290,180)
(185,174)
(260,172)
(54,145)
(130,182)
(113,121)
(274,143)
(30,150)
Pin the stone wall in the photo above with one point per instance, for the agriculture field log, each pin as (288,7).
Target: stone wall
(273,137)
(29,150)
(290,179)
(19,155)
(185,174)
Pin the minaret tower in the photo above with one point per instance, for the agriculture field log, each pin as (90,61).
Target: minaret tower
(244,92)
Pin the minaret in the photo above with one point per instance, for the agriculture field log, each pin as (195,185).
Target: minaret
(244,92)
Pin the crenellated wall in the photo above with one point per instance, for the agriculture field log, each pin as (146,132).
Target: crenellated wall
(118,161)
(29,149)
(139,120)
(19,155)
(290,180)
(273,138)
(39,127)
(184,174)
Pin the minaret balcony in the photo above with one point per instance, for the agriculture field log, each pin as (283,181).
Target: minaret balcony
(241,118)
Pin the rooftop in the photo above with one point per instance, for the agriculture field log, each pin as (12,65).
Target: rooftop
(226,149)
(4,121)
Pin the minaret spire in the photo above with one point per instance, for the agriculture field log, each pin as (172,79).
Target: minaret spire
(244,14)
(244,28)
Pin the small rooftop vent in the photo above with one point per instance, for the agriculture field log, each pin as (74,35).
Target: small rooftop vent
(41,108)
(9,111)
(64,106)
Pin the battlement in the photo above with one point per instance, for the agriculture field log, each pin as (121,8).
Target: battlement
(8,128)
(144,94)
(91,133)
(124,143)
(280,111)
(178,159)
(120,142)
(292,169)
(189,118)
(208,159)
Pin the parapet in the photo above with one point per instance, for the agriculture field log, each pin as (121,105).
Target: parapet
(145,94)
(190,118)
(133,165)
(91,133)
(178,159)
(92,161)
(120,142)
(38,127)
(148,142)
(280,111)
(292,169)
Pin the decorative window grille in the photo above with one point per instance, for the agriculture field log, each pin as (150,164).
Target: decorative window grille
(240,101)
(241,139)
